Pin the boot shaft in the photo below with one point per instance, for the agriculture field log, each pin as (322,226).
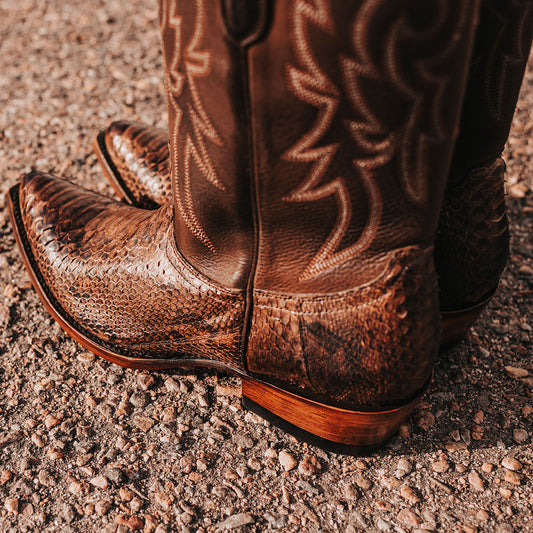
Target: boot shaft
(499,59)
(309,137)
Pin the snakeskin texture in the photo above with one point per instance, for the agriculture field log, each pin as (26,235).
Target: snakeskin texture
(140,162)
(472,242)
(369,346)
(117,275)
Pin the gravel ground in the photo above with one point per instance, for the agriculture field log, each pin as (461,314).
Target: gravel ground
(88,446)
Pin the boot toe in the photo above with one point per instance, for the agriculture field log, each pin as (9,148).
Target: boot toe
(136,159)
(111,276)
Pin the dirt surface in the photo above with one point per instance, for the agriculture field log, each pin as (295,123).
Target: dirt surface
(88,446)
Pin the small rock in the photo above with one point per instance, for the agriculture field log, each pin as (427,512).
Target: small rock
(276,520)
(76,488)
(68,513)
(510,463)
(125,494)
(172,385)
(487,467)
(144,423)
(512,477)
(145,381)
(163,500)
(516,372)
(100,482)
(383,525)
(51,421)
(363,482)
(55,454)
(475,480)
(5,476)
(86,357)
(455,446)
(203,401)
(102,507)
(114,474)
(45,478)
(135,504)
(482,515)
(440,466)
(425,419)
(139,399)
(505,492)
(133,522)
(403,468)
(287,461)
(520,436)
(409,518)
(309,465)
(237,520)
(478,417)
(408,494)
(12,505)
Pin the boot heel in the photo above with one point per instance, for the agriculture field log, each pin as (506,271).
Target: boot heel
(328,427)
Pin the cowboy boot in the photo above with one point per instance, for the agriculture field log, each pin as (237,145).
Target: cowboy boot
(297,250)
(472,240)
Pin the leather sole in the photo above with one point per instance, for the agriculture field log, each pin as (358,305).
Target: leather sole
(329,427)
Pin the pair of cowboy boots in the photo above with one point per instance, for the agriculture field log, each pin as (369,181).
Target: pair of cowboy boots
(296,239)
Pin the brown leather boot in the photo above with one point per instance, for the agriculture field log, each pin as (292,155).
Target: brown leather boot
(309,145)
(472,242)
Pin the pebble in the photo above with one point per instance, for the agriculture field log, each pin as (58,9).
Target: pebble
(102,507)
(144,423)
(409,518)
(363,482)
(12,505)
(145,381)
(172,385)
(512,477)
(114,474)
(408,494)
(133,522)
(51,421)
(5,476)
(276,520)
(287,461)
(76,488)
(505,492)
(440,466)
(520,436)
(236,520)
(475,480)
(516,372)
(456,446)
(309,465)
(403,468)
(510,463)
(139,399)
(55,454)
(425,419)
(487,467)
(99,482)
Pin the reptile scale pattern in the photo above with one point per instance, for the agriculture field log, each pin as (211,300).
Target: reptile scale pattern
(117,274)
(472,241)
(140,157)
(370,346)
